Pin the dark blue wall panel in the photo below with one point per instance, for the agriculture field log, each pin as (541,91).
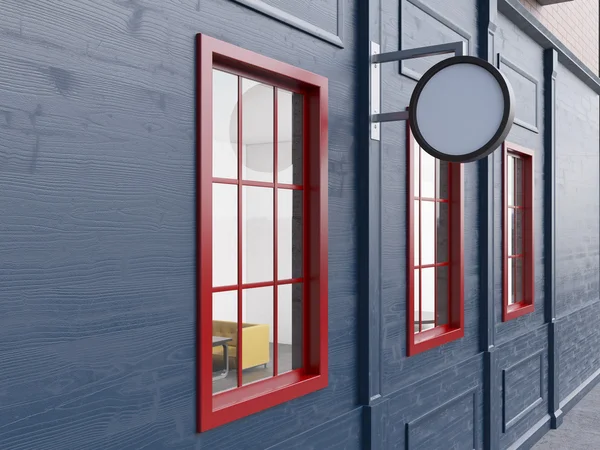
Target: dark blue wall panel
(97,291)
(577,230)
(419,387)
(399,370)
(439,409)
(577,196)
(523,386)
(578,342)
(520,51)
(97,164)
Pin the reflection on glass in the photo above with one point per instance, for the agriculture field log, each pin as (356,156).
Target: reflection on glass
(443,170)
(257,334)
(417,289)
(510,276)
(257,234)
(517,248)
(441,286)
(289,234)
(417,236)
(428,298)
(518,181)
(510,181)
(225,234)
(442,235)
(427,232)
(518,279)
(257,131)
(289,327)
(428,164)
(289,137)
(225,123)
(510,234)
(224,341)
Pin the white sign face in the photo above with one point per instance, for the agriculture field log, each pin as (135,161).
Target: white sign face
(461,109)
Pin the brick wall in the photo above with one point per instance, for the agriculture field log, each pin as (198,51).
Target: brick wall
(575,23)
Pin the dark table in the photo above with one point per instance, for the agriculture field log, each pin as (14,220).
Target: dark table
(223,342)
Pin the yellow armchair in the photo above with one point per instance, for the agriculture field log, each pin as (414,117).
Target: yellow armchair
(255,343)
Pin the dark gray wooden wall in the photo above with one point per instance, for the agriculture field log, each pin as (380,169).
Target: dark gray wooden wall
(97,198)
(577,231)
(97,279)
(522,342)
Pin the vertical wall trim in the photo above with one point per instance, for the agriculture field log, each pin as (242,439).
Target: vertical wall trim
(488,12)
(550,68)
(368,172)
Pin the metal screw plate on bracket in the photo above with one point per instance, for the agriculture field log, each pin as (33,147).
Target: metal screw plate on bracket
(375,93)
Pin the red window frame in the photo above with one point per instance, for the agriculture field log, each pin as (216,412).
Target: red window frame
(526,305)
(440,334)
(227,406)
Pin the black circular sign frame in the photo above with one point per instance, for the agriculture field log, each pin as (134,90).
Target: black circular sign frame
(505,124)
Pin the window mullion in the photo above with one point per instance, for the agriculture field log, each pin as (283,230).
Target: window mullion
(275,238)
(435,270)
(239,349)
(420,246)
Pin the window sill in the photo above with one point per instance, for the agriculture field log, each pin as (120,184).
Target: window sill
(435,337)
(517,310)
(237,403)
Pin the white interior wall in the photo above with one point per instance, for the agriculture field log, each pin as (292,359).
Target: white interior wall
(257,218)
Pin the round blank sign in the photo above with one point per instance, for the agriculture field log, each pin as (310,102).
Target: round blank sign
(461,109)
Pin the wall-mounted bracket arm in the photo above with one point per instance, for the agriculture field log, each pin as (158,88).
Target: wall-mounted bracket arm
(457,48)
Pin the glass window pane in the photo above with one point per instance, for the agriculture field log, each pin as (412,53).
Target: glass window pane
(290,123)
(518,280)
(416,168)
(443,170)
(510,233)
(289,234)
(289,327)
(417,235)
(417,289)
(257,131)
(443,232)
(517,241)
(428,298)
(427,232)
(225,124)
(257,234)
(442,286)
(257,334)
(225,234)
(510,181)
(510,276)
(224,340)
(518,181)
(428,164)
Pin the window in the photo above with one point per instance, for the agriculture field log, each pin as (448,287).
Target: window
(262,234)
(435,250)
(517,226)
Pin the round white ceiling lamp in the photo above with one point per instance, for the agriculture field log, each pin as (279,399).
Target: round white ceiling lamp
(258,130)
(461,110)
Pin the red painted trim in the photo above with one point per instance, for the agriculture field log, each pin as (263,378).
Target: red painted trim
(259,284)
(410,245)
(435,271)
(236,403)
(262,395)
(240,278)
(204,226)
(442,334)
(275,229)
(527,304)
(253,183)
